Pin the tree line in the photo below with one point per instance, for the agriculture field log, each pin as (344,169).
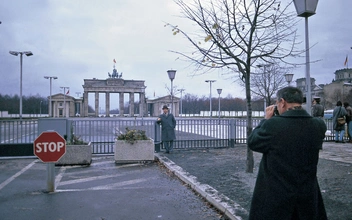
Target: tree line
(191,104)
(30,104)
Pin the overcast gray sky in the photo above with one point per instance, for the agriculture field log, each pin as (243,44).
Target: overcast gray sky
(78,39)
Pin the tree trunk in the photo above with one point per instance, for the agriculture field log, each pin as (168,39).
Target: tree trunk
(250,160)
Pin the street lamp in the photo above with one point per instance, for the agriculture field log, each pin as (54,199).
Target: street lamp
(40,109)
(15,53)
(210,81)
(63,87)
(50,77)
(306,8)
(172,74)
(264,66)
(219,92)
(288,77)
(181,90)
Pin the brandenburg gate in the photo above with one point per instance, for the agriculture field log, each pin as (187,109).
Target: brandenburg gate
(114,84)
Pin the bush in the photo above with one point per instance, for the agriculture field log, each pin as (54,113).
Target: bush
(132,136)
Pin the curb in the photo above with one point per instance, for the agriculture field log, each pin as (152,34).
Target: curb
(219,201)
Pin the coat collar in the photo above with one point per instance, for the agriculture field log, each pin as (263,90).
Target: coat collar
(296,113)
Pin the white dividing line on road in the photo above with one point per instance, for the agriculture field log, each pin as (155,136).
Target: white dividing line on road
(119,184)
(88,179)
(9,180)
(59,176)
(105,187)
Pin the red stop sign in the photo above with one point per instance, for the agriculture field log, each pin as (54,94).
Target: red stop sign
(49,146)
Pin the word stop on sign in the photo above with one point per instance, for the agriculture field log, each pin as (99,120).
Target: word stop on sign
(49,147)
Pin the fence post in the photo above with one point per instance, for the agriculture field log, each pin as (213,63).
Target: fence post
(232,133)
(157,137)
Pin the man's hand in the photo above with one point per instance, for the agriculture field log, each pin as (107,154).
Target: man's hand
(269,111)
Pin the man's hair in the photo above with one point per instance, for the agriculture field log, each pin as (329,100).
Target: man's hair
(290,95)
(339,103)
(345,104)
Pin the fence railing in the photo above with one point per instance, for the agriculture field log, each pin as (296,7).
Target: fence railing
(18,131)
(101,132)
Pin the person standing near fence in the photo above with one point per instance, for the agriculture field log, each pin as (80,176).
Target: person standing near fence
(317,109)
(168,124)
(339,112)
(348,120)
(287,186)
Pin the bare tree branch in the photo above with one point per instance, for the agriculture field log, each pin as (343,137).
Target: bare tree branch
(238,34)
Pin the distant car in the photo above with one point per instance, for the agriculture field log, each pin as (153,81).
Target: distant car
(328,114)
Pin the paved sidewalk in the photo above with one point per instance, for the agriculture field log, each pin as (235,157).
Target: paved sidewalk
(102,191)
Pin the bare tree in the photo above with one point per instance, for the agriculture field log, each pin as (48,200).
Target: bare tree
(267,81)
(237,34)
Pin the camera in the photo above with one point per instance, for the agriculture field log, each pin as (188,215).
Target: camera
(276,112)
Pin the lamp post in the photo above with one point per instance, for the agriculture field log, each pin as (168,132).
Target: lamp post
(15,53)
(40,109)
(50,77)
(172,74)
(63,87)
(181,90)
(210,81)
(264,66)
(306,8)
(288,77)
(219,92)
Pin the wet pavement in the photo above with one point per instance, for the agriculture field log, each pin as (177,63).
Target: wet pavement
(187,184)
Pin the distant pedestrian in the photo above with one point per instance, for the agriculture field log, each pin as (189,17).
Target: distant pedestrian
(317,108)
(168,124)
(348,120)
(339,112)
(287,186)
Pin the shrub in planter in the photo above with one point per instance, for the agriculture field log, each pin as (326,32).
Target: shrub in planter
(133,146)
(132,136)
(78,152)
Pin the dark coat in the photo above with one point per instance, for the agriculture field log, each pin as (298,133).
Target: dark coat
(287,184)
(168,124)
(318,110)
(338,112)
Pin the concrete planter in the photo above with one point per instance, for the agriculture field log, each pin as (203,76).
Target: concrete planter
(76,155)
(142,150)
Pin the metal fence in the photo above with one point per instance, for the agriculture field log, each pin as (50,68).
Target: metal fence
(18,131)
(101,132)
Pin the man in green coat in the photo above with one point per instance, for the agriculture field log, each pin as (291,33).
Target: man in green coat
(287,185)
(168,124)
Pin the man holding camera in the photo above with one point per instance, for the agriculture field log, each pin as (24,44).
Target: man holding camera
(287,185)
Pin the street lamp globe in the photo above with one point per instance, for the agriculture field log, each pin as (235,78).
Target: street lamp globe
(288,78)
(171,74)
(305,8)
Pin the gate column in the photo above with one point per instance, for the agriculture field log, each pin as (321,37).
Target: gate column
(96,104)
(132,104)
(107,104)
(85,104)
(142,111)
(121,101)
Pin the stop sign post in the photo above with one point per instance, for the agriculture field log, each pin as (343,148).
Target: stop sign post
(49,147)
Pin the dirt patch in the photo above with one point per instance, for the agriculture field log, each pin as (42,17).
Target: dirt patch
(224,170)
